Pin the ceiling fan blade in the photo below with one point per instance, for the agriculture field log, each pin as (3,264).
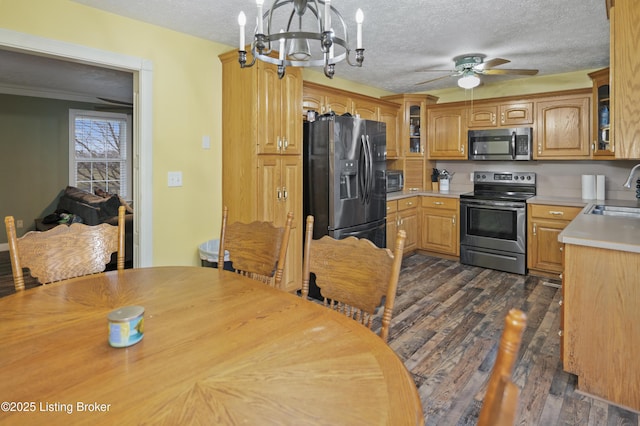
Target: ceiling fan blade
(115,101)
(435,70)
(494,71)
(435,79)
(493,63)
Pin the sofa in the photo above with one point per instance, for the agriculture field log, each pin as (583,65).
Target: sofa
(93,209)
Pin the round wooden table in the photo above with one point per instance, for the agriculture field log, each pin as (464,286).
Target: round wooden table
(218,348)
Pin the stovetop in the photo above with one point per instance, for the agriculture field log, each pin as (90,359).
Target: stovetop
(502,186)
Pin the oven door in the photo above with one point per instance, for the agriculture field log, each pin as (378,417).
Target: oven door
(497,225)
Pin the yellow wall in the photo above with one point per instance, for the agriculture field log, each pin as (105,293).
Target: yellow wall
(186,105)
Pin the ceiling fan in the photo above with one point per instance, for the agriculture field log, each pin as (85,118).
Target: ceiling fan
(470,66)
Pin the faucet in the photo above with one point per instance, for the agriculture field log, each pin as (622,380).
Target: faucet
(627,184)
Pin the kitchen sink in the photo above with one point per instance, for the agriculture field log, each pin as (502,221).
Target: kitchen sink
(619,211)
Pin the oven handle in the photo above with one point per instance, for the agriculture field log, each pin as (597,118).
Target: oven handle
(513,145)
(497,205)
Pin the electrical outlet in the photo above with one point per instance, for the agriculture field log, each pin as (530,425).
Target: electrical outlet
(175,178)
(19,223)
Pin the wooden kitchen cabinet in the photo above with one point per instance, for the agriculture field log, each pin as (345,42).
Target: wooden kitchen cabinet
(413,125)
(601,332)
(545,222)
(509,114)
(323,99)
(439,225)
(563,127)
(278,106)
(403,215)
(259,180)
(624,16)
(602,145)
(447,133)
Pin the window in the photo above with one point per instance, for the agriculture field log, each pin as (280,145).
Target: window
(100,152)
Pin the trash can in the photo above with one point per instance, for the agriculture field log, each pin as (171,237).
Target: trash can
(209,255)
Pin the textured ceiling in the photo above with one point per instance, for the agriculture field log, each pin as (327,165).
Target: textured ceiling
(404,38)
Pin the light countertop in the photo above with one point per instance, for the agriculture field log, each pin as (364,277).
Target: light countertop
(608,232)
(392,196)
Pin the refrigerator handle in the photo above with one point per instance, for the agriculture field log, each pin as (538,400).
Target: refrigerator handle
(371,169)
(368,169)
(362,170)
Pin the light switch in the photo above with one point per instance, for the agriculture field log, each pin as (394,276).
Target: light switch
(206,142)
(175,178)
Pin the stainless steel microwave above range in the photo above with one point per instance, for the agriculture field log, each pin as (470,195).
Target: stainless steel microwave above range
(395,180)
(500,144)
(493,221)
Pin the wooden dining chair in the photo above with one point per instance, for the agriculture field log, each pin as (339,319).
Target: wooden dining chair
(64,252)
(500,403)
(257,250)
(353,275)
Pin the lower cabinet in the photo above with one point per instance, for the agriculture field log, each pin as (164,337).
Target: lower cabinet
(439,225)
(403,214)
(545,222)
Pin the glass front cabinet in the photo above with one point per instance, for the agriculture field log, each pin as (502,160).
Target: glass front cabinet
(603,145)
(413,125)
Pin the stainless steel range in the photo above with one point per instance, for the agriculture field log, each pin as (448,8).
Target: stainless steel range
(493,220)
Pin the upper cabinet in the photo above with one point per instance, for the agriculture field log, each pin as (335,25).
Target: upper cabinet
(563,127)
(602,145)
(447,132)
(500,115)
(324,99)
(624,16)
(413,123)
(278,106)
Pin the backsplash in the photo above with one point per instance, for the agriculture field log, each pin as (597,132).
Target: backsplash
(554,178)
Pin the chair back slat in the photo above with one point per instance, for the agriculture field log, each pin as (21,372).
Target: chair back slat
(257,250)
(354,276)
(65,252)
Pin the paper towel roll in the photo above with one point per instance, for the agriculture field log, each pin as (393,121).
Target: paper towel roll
(600,192)
(588,187)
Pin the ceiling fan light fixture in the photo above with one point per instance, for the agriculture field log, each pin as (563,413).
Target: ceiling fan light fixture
(469,80)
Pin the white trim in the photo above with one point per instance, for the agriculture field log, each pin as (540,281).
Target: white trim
(143,76)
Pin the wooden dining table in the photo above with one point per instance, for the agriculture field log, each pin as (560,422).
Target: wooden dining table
(218,348)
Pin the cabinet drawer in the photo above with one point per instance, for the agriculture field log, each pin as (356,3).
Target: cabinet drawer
(408,203)
(392,207)
(554,212)
(440,203)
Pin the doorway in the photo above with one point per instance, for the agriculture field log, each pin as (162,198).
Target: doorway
(142,72)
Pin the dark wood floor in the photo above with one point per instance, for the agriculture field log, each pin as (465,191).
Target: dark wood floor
(447,322)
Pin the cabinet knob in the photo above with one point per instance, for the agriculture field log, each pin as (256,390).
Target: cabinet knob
(453,219)
(556,213)
(535,228)
(285,194)
(286,143)
(502,117)
(560,333)
(279,193)
(560,302)
(438,203)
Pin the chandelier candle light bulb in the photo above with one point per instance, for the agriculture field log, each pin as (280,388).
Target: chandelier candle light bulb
(327,15)
(359,19)
(259,3)
(242,20)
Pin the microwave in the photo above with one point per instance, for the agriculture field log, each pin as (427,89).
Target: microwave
(395,180)
(500,144)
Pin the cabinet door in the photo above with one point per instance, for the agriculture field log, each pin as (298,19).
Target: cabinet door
(563,128)
(439,231)
(409,224)
(312,99)
(290,90)
(339,104)
(269,190)
(516,114)
(482,116)
(447,133)
(389,116)
(392,224)
(365,109)
(544,252)
(625,90)
(269,110)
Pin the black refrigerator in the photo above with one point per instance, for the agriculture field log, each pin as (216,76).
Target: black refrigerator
(344,179)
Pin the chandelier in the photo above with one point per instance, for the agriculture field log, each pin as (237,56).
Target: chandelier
(305,36)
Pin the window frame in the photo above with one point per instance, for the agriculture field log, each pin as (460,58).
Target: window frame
(126,190)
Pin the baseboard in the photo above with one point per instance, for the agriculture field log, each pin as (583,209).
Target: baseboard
(4,247)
